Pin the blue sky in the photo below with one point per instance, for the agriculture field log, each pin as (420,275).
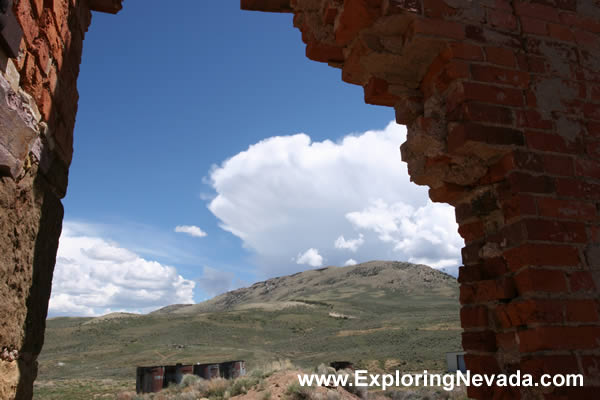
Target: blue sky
(190,115)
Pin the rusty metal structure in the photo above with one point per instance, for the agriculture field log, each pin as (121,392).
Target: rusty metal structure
(155,378)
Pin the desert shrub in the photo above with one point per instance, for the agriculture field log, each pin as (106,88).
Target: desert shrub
(323,369)
(297,392)
(217,388)
(189,381)
(402,395)
(333,395)
(266,396)
(243,384)
(361,391)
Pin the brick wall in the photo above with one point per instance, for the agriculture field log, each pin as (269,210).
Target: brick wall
(502,103)
(38,104)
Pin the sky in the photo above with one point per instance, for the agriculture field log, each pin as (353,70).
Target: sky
(210,153)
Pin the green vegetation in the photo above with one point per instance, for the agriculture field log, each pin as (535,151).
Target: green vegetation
(402,317)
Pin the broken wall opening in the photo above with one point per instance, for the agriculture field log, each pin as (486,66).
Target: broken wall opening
(502,104)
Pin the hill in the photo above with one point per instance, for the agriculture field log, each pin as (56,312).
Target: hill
(378,314)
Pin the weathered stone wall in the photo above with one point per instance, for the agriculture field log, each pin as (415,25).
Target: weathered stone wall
(502,103)
(38,103)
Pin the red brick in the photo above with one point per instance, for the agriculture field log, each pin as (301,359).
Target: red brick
(591,365)
(581,310)
(377,92)
(581,21)
(479,341)
(593,149)
(500,76)
(592,111)
(492,94)
(481,364)
(471,232)
(558,165)
(465,137)
(533,26)
(479,392)
(42,53)
(500,56)
(527,183)
(587,168)
(552,142)
(480,112)
(490,269)
(593,129)
(501,19)
(561,32)
(567,209)
(569,187)
(356,15)
(556,231)
(540,280)
(45,104)
(447,193)
(38,7)
(559,338)
(507,341)
(474,317)
(581,281)
(439,27)
(585,40)
(538,11)
(498,171)
(329,15)
(26,19)
(587,392)
(463,51)
(519,205)
(533,119)
(519,313)
(323,52)
(488,290)
(551,365)
(437,9)
(537,254)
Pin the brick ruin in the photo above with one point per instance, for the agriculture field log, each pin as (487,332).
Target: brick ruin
(502,103)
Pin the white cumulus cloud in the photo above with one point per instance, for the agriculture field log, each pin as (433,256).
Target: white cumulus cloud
(423,235)
(350,262)
(190,230)
(94,276)
(286,194)
(351,244)
(310,257)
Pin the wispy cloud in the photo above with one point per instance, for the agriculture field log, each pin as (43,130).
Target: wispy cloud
(191,230)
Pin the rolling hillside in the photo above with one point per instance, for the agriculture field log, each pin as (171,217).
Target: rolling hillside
(378,314)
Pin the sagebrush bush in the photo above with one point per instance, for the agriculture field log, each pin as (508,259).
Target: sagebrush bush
(361,391)
(266,396)
(297,392)
(333,395)
(242,385)
(189,380)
